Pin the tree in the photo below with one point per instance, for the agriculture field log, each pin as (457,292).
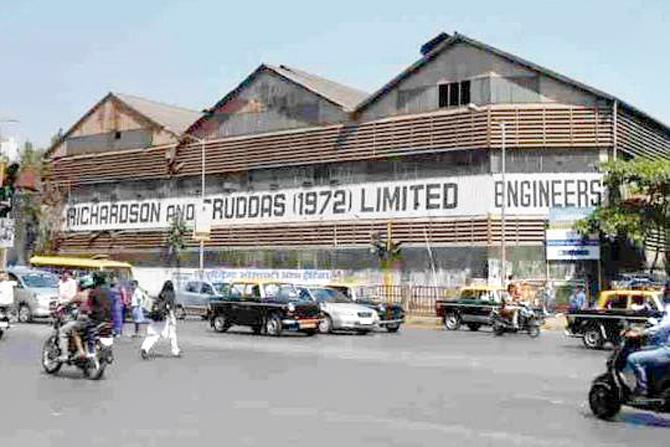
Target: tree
(637,208)
(176,240)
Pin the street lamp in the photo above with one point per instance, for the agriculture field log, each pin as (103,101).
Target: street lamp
(503,143)
(202,188)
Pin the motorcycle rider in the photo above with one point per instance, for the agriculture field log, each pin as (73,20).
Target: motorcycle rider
(69,329)
(654,357)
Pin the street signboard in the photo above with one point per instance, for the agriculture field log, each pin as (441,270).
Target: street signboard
(203,221)
(563,242)
(6,232)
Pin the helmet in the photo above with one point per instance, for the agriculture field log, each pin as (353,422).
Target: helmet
(86,282)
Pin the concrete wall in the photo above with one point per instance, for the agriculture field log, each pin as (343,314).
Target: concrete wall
(494,81)
(268,103)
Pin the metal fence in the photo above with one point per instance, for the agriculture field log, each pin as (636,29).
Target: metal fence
(416,300)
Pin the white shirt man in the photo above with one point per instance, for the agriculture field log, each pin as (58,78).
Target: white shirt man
(67,288)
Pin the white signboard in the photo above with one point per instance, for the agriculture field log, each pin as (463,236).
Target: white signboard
(6,232)
(568,245)
(527,194)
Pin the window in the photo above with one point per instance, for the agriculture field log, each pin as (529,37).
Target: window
(207,289)
(618,302)
(117,135)
(454,94)
(192,287)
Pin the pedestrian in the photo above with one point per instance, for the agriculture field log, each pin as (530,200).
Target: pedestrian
(164,322)
(549,298)
(136,306)
(578,299)
(116,302)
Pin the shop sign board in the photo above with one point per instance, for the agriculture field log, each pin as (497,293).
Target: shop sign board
(461,196)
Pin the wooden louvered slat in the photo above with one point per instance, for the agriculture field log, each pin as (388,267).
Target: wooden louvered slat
(528,126)
(465,231)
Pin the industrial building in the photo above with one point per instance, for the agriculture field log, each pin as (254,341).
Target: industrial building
(300,170)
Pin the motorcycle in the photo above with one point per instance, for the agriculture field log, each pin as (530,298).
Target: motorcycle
(4,319)
(611,390)
(529,322)
(97,340)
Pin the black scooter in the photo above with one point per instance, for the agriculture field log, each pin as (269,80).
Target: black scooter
(529,322)
(611,390)
(4,319)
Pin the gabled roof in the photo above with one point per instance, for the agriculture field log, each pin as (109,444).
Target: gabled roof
(443,41)
(346,97)
(172,119)
(176,119)
(342,96)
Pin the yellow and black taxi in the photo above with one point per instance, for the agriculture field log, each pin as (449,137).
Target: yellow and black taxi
(472,307)
(269,308)
(614,311)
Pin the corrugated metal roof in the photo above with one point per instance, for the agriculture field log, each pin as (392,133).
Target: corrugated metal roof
(347,97)
(445,41)
(175,118)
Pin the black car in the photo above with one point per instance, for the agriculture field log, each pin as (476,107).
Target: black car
(267,308)
(472,307)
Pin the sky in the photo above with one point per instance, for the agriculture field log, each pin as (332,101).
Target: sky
(58,58)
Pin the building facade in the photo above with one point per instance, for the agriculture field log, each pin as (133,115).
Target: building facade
(301,171)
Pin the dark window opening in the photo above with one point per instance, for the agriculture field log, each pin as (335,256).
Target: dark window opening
(117,135)
(465,93)
(444,95)
(454,94)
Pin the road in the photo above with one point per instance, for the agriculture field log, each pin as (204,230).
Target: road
(416,388)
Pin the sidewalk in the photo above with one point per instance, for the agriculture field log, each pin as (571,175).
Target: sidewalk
(555,323)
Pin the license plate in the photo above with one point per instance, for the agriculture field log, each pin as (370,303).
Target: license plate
(307,325)
(4,325)
(106,341)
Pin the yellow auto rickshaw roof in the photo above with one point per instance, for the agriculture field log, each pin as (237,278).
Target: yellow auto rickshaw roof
(606,294)
(73,262)
(483,287)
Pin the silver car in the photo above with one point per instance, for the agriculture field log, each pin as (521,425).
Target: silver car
(340,313)
(34,291)
(193,297)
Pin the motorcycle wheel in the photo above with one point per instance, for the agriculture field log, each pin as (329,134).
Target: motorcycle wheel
(94,368)
(534,331)
(50,353)
(604,401)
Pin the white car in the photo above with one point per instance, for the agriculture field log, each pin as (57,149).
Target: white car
(340,313)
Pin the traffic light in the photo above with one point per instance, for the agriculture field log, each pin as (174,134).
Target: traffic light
(394,250)
(377,246)
(385,250)
(8,174)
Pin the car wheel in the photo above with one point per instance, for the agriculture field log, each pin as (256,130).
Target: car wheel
(393,328)
(326,325)
(603,401)
(25,314)
(593,338)
(452,322)
(220,323)
(474,327)
(273,326)
(180,313)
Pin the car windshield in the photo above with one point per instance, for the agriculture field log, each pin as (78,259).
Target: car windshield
(281,292)
(40,280)
(330,295)
(221,288)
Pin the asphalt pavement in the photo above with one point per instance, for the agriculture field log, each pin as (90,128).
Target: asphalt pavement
(419,387)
